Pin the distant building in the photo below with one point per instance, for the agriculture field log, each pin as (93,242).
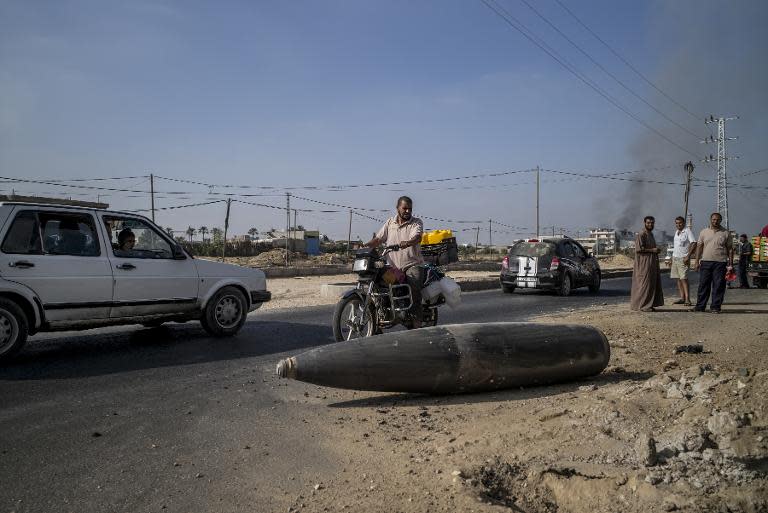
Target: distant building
(605,240)
(626,239)
(299,241)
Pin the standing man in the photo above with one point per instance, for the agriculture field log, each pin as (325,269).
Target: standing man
(745,254)
(682,250)
(405,230)
(714,257)
(646,291)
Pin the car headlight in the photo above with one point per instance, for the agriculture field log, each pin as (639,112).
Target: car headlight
(361,264)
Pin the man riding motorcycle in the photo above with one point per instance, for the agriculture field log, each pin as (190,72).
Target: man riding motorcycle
(405,230)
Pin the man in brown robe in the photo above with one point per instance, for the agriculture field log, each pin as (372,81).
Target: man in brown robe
(646,276)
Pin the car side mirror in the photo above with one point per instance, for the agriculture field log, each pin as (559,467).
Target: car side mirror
(178,253)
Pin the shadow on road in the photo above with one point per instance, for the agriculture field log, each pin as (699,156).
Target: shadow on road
(83,354)
(574,293)
(524,394)
(742,311)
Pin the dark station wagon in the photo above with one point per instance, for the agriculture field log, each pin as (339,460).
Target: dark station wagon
(559,264)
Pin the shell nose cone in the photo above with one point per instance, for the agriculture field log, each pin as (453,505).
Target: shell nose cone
(287,368)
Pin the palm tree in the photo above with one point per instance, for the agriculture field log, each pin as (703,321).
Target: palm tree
(217,234)
(190,233)
(169,231)
(203,230)
(253,232)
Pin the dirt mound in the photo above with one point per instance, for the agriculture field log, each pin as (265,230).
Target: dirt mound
(273,257)
(327,259)
(616,262)
(507,484)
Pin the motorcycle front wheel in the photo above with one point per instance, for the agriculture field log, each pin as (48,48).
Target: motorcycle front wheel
(348,319)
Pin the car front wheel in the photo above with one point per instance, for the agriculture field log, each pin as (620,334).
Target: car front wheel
(508,289)
(225,313)
(13,328)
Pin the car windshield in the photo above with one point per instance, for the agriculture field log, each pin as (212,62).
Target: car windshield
(532,249)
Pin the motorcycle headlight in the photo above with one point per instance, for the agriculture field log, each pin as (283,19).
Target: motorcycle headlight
(361,264)
(378,264)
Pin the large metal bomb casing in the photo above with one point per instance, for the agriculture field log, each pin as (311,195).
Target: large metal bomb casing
(455,358)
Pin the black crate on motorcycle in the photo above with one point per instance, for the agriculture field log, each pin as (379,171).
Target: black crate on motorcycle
(442,253)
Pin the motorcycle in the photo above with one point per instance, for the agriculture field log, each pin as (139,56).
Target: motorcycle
(380,301)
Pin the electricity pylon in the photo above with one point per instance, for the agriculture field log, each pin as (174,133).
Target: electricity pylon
(722,183)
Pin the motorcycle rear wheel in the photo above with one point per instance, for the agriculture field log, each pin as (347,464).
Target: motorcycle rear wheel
(347,319)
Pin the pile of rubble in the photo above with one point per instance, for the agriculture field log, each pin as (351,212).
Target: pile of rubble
(711,449)
(273,257)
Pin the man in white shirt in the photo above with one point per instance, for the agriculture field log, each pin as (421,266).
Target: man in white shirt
(683,248)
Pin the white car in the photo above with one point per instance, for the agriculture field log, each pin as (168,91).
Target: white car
(66,267)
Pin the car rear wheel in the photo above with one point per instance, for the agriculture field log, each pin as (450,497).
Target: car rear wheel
(508,289)
(594,287)
(565,285)
(13,328)
(225,313)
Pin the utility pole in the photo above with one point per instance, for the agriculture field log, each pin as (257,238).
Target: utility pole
(295,224)
(152,193)
(226,227)
(689,173)
(722,183)
(287,223)
(349,235)
(490,234)
(477,237)
(537,201)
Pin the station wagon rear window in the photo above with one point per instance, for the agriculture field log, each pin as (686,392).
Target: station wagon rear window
(51,233)
(23,236)
(532,249)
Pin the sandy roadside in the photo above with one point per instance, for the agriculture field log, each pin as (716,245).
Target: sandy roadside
(305,290)
(656,431)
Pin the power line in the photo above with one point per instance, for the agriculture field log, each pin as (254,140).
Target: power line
(607,72)
(627,63)
(510,226)
(350,186)
(58,180)
(180,206)
(88,187)
(368,217)
(517,25)
(742,175)
(660,182)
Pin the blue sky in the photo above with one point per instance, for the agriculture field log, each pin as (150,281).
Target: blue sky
(345,93)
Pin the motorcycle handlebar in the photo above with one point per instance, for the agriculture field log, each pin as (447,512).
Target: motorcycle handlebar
(393,247)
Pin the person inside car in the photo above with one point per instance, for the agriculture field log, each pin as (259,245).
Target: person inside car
(126,240)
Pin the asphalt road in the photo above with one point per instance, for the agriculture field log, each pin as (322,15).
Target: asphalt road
(169,419)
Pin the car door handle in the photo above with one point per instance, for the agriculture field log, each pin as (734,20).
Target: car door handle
(22,264)
(126,267)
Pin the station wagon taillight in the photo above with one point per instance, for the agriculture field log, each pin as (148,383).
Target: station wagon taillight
(555,264)
(505,262)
